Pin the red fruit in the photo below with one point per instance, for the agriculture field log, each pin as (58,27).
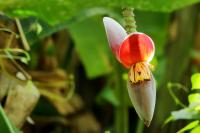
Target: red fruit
(137,47)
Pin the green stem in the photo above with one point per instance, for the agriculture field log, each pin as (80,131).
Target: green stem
(28,77)
(121,114)
(130,23)
(140,126)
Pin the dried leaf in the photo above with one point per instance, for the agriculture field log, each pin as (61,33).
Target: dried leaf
(5,84)
(20,102)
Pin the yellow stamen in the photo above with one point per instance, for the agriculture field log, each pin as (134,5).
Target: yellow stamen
(139,72)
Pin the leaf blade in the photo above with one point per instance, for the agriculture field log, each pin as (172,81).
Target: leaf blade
(6,126)
(189,126)
(58,11)
(92,49)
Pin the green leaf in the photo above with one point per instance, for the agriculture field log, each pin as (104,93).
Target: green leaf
(194,98)
(55,11)
(191,112)
(189,126)
(24,60)
(6,126)
(35,26)
(108,95)
(47,29)
(92,46)
(196,130)
(195,79)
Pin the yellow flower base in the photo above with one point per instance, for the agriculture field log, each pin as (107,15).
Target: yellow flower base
(139,72)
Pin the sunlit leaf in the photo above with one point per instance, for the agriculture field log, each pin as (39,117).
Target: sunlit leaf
(36,27)
(196,130)
(24,60)
(188,113)
(189,126)
(194,98)
(195,79)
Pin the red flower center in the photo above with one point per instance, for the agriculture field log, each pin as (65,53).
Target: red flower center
(137,47)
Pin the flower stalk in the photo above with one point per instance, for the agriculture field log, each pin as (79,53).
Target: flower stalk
(129,18)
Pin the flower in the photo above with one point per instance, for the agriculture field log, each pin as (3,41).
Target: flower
(135,51)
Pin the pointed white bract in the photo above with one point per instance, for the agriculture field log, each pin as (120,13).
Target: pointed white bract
(115,34)
(143,98)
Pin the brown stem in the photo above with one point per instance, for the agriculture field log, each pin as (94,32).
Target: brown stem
(22,35)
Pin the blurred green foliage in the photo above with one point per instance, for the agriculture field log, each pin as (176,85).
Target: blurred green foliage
(91,45)
(63,9)
(93,50)
(189,126)
(76,16)
(192,112)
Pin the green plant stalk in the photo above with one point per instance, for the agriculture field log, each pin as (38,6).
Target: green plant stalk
(129,18)
(140,126)
(121,113)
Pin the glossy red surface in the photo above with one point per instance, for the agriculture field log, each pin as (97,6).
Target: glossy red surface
(137,47)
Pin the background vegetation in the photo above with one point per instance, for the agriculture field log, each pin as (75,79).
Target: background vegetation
(58,74)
